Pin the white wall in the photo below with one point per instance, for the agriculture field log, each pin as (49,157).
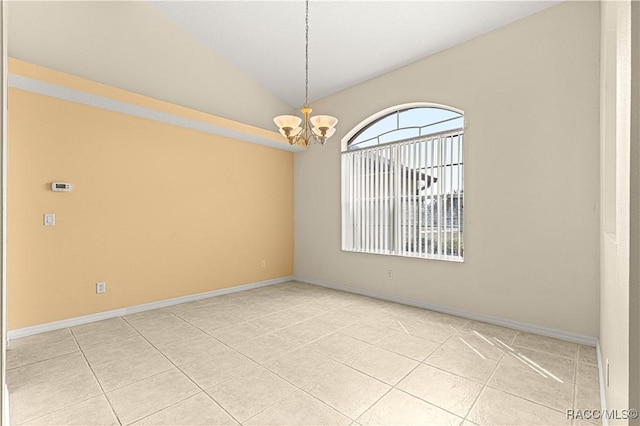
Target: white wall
(634,249)
(634,304)
(132,46)
(619,213)
(4,395)
(530,93)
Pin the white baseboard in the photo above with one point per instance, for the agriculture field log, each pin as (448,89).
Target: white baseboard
(85,319)
(549,332)
(602,383)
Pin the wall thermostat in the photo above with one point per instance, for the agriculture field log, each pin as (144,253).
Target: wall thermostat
(61,186)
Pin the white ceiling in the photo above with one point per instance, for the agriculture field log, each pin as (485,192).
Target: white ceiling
(350,41)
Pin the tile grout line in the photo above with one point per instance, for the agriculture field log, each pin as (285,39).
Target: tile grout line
(328,371)
(60,356)
(135,381)
(575,375)
(196,327)
(485,385)
(302,345)
(79,349)
(317,338)
(84,356)
(416,367)
(542,351)
(258,364)
(43,360)
(588,364)
(268,332)
(456,374)
(391,387)
(525,398)
(248,321)
(231,347)
(291,383)
(457,330)
(574,397)
(27,422)
(440,344)
(183,373)
(338,364)
(282,328)
(46,359)
(273,403)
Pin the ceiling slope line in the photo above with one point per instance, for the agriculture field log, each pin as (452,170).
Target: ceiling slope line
(77,96)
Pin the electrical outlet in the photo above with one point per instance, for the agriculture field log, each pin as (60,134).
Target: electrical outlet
(389,274)
(101,287)
(606,374)
(263,263)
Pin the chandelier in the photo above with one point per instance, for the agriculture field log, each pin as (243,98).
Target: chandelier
(303,131)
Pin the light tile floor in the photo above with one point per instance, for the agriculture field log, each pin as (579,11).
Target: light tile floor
(296,354)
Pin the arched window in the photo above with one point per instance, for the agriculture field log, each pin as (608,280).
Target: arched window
(403,183)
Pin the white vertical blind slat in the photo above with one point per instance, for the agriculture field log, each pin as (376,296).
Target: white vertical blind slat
(360,203)
(346,214)
(378,200)
(452,192)
(440,191)
(385,198)
(432,237)
(421,199)
(405,198)
(413,246)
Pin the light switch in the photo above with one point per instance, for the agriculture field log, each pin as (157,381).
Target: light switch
(49,219)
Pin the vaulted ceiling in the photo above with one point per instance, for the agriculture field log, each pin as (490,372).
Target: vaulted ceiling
(350,41)
(244,60)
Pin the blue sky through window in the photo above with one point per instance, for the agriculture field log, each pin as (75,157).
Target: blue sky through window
(407,124)
(412,123)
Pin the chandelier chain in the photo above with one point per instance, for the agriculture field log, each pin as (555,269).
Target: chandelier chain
(306,54)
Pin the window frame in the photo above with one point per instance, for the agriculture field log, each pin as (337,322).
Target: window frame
(364,124)
(372,120)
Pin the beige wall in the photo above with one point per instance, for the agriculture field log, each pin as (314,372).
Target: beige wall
(132,46)
(530,94)
(156,211)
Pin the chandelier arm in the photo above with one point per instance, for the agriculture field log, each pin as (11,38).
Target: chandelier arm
(317,139)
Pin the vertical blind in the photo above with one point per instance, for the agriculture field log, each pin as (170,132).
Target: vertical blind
(405,198)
